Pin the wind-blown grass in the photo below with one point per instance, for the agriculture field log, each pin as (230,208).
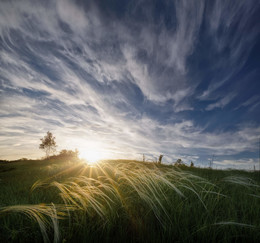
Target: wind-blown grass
(130,201)
(44,215)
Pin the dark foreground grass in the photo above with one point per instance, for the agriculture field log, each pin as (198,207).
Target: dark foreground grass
(126,201)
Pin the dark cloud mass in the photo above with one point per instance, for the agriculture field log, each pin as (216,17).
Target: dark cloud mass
(131,77)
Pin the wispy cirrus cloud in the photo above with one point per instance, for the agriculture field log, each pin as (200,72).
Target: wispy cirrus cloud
(132,81)
(222,102)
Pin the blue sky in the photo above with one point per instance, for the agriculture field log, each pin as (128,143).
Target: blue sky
(126,78)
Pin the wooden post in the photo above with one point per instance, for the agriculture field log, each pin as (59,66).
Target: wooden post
(160,159)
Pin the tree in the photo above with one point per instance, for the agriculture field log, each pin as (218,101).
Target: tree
(178,162)
(48,144)
(68,154)
(191,164)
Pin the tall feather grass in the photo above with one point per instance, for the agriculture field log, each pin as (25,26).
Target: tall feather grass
(138,191)
(45,215)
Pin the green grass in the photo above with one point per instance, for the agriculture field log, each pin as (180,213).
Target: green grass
(126,201)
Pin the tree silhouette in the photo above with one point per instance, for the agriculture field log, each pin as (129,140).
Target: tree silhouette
(179,162)
(68,154)
(48,144)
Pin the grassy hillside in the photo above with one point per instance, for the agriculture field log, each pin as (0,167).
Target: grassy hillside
(126,201)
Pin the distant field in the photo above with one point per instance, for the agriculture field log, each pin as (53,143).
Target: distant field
(126,201)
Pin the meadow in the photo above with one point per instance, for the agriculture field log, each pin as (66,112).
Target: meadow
(126,201)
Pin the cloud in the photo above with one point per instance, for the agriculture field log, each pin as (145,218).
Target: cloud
(72,15)
(251,103)
(125,82)
(222,102)
(233,35)
(166,76)
(248,164)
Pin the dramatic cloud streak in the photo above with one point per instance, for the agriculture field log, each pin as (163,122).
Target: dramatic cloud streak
(131,78)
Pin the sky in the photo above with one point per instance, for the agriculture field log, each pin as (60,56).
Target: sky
(126,78)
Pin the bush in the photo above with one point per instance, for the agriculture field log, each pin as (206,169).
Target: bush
(66,154)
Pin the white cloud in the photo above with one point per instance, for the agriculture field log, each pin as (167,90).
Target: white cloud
(222,102)
(226,22)
(251,103)
(247,164)
(72,15)
(78,72)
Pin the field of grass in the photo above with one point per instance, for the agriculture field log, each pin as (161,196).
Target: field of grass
(126,201)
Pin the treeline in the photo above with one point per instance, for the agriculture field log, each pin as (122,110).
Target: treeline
(66,154)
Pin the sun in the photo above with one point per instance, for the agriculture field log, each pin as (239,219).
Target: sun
(92,156)
(93,152)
